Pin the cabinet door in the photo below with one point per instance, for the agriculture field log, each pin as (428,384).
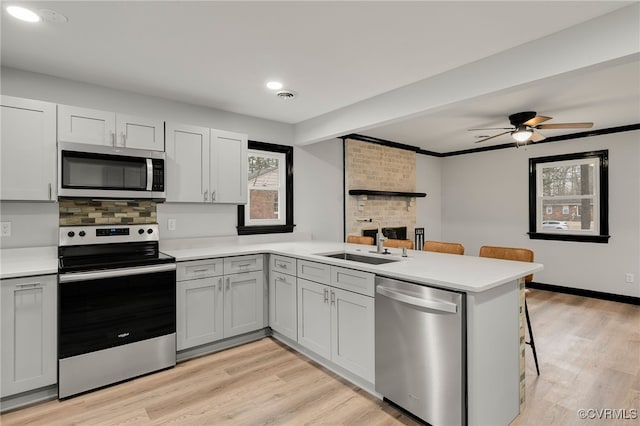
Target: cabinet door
(352,332)
(283,316)
(187,167)
(84,125)
(314,317)
(244,303)
(199,312)
(139,132)
(228,167)
(29,333)
(28,146)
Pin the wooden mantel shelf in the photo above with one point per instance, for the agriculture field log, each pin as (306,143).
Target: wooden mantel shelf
(386,193)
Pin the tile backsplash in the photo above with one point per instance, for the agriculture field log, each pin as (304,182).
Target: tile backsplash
(100,212)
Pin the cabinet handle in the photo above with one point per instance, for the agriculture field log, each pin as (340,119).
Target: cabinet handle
(326,295)
(213,195)
(228,283)
(49,191)
(113,139)
(280,279)
(333,297)
(29,285)
(200,270)
(244,265)
(282,265)
(206,195)
(219,284)
(124,138)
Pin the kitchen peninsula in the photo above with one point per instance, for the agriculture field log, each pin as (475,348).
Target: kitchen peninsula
(493,323)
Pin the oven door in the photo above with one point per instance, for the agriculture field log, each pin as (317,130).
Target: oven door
(109,308)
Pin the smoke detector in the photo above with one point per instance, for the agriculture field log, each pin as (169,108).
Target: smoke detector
(285,94)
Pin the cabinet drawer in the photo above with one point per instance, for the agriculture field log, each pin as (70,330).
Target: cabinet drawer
(286,265)
(199,269)
(237,264)
(352,280)
(314,271)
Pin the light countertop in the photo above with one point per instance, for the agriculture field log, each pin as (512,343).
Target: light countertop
(462,273)
(24,262)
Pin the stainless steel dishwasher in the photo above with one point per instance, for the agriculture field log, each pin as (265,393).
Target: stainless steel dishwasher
(420,353)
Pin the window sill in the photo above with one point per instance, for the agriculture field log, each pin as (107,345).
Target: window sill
(264,229)
(604,239)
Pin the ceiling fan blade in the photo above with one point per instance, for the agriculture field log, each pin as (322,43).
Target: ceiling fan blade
(565,126)
(494,136)
(537,136)
(536,120)
(492,128)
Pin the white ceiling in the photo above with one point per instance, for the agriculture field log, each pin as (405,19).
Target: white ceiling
(334,55)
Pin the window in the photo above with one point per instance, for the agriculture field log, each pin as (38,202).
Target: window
(270,187)
(568,197)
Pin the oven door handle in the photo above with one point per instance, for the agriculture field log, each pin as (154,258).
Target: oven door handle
(113,273)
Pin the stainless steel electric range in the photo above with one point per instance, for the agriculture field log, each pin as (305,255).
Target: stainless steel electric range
(116,306)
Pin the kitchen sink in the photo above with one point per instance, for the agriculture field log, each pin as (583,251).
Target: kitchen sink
(359,258)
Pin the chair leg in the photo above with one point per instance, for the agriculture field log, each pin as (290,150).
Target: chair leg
(532,343)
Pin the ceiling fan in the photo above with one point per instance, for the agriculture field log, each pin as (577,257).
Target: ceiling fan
(525,125)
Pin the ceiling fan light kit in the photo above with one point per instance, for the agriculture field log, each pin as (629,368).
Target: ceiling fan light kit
(525,125)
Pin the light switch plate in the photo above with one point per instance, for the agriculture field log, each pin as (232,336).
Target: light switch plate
(171,224)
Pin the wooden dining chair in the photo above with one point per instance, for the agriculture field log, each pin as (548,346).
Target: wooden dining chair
(358,239)
(390,242)
(522,255)
(442,247)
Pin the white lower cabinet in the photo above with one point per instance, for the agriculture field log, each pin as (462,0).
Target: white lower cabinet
(283,313)
(211,308)
(28,333)
(338,325)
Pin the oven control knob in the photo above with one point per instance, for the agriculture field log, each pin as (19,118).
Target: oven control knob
(71,234)
(140,231)
(149,231)
(82,233)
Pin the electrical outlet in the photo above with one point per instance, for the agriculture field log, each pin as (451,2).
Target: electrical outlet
(628,278)
(171,224)
(6,229)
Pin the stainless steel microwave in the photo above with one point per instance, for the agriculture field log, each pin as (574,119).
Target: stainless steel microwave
(97,171)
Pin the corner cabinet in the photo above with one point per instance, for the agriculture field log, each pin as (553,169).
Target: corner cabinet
(206,165)
(96,127)
(283,289)
(28,333)
(28,146)
(218,298)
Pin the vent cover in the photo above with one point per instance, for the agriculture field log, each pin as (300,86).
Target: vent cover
(285,94)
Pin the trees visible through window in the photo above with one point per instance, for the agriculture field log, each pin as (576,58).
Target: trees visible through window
(568,197)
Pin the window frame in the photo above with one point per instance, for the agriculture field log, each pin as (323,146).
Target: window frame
(245,228)
(601,216)
(280,190)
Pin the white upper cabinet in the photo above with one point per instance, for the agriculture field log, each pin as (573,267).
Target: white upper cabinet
(187,166)
(205,165)
(96,127)
(28,146)
(228,167)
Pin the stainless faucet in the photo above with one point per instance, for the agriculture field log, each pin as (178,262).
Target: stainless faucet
(379,239)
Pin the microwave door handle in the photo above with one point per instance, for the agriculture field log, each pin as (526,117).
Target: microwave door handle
(149,174)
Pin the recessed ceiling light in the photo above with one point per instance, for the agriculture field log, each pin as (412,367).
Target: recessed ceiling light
(274,85)
(23,14)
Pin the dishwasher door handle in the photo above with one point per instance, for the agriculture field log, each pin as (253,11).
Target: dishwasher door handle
(437,305)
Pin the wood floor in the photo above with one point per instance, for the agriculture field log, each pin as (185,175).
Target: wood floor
(589,352)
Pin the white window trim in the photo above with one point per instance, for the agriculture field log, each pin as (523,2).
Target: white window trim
(281,188)
(595,197)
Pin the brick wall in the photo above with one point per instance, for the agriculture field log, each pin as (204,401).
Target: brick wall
(90,212)
(381,168)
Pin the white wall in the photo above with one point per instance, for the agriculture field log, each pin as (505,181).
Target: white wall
(317,179)
(485,202)
(429,209)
